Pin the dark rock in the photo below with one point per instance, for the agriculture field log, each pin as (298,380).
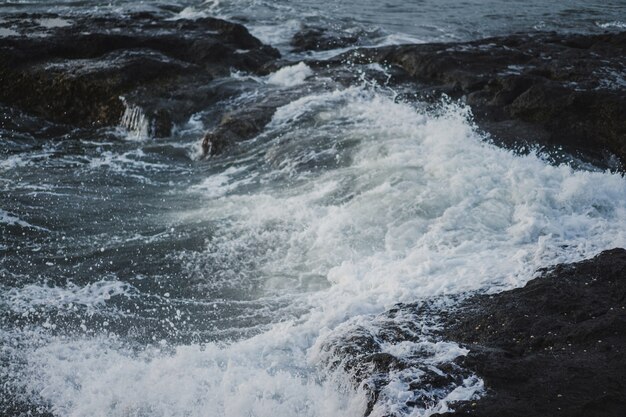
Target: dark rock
(78,72)
(552,348)
(360,352)
(563,91)
(237,126)
(318,39)
(246,121)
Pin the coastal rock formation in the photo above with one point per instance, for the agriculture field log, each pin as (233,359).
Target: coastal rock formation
(546,90)
(552,348)
(555,347)
(237,126)
(563,91)
(366,352)
(142,69)
(148,73)
(319,39)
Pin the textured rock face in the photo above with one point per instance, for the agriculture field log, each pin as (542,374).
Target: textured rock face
(556,90)
(75,73)
(364,353)
(553,348)
(318,39)
(238,126)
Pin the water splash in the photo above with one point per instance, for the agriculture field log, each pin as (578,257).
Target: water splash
(135,121)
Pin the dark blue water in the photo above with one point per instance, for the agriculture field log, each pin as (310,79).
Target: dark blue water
(393,20)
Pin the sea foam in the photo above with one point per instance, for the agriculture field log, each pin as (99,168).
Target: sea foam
(360,202)
(290,76)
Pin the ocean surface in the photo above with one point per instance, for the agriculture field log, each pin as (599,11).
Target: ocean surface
(139,279)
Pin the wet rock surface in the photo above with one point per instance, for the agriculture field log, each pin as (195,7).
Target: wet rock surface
(552,348)
(90,70)
(320,39)
(237,126)
(400,348)
(149,73)
(561,91)
(563,94)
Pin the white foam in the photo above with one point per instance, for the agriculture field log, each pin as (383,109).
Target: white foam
(206,9)
(135,121)
(417,205)
(191,13)
(290,76)
(221,184)
(53,22)
(244,76)
(11,220)
(92,296)
(399,39)
(193,381)
(616,24)
(275,34)
(471,388)
(6,32)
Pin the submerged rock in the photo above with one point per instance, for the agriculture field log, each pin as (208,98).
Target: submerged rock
(237,126)
(142,69)
(318,39)
(564,91)
(397,351)
(248,119)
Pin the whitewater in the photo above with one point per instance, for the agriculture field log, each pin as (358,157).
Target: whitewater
(140,278)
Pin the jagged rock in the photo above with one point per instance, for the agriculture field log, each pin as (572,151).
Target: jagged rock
(245,122)
(558,90)
(88,71)
(361,352)
(552,348)
(318,39)
(238,126)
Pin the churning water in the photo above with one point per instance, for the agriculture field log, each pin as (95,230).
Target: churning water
(141,280)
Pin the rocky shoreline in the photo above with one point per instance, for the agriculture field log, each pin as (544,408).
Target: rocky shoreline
(555,347)
(562,93)
(106,71)
(542,88)
(552,348)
